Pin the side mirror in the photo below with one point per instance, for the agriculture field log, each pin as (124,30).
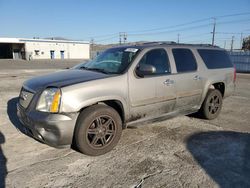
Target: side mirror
(145,70)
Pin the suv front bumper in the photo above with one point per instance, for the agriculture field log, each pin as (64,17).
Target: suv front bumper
(53,129)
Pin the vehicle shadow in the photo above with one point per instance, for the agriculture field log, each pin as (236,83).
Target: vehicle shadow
(12,113)
(3,161)
(224,155)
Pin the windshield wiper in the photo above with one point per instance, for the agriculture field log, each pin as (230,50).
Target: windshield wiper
(96,69)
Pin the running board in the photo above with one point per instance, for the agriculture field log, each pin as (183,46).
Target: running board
(161,117)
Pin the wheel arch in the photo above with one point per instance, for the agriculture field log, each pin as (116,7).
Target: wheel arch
(220,85)
(116,104)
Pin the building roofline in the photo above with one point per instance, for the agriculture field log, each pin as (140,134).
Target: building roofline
(23,40)
(52,40)
(10,40)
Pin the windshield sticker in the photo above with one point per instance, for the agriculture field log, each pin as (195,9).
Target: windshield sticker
(134,50)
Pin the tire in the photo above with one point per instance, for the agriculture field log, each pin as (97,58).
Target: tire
(98,130)
(212,104)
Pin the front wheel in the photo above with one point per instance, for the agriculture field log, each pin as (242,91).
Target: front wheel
(98,130)
(212,104)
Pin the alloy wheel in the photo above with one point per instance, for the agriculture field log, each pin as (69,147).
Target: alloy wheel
(214,104)
(101,132)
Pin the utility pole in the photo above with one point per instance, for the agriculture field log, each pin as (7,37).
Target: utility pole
(232,43)
(178,38)
(120,38)
(241,40)
(123,37)
(213,31)
(225,43)
(91,47)
(92,42)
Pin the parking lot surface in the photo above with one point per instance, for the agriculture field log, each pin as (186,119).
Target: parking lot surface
(181,152)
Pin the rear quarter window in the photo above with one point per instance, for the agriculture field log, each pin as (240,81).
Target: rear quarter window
(215,59)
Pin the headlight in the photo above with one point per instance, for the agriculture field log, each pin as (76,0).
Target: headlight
(49,100)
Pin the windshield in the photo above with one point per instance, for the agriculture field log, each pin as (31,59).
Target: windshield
(113,61)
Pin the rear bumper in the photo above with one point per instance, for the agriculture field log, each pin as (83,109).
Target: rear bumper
(53,129)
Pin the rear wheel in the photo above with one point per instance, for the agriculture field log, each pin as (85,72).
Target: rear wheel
(212,104)
(98,130)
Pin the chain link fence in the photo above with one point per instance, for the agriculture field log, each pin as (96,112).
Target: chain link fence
(241,60)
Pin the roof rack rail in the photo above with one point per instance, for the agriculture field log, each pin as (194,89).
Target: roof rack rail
(155,42)
(205,45)
(174,43)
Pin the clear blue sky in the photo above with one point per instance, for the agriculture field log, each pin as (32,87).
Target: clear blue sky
(82,19)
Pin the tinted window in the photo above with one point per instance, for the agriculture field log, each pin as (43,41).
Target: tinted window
(157,58)
(113,61)
(184,60)
(215,59)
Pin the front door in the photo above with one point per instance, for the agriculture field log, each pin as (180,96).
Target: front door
(150,95)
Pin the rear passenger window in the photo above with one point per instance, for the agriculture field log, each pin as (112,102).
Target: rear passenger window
(215,59)
(184,60)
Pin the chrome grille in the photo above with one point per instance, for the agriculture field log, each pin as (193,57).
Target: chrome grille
(25,97)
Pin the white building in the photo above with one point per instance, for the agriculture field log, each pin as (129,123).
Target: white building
(20,48)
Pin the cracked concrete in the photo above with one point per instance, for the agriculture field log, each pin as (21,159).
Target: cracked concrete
(180,152)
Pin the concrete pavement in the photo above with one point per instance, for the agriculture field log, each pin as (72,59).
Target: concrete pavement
(180,152)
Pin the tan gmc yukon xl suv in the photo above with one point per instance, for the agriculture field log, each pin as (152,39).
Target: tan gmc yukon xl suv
(90,104)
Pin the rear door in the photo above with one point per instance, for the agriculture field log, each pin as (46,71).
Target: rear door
(188,81)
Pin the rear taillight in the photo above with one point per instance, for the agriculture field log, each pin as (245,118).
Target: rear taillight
(234,73)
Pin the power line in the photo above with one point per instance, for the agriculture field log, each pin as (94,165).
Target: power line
(226,38)
(187,28)
(237,14)
(191,22)
(106,39)
(103,36)
(171,26)
(196,35)
(228,33)
(233,21)
(169,31)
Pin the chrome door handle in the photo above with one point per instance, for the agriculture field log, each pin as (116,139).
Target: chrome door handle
(197,77)
(168,82)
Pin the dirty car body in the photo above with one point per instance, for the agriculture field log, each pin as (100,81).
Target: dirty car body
(141,83)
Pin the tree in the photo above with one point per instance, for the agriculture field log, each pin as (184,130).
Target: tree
(246,43)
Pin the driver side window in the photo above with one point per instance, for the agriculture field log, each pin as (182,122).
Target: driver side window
(158,59)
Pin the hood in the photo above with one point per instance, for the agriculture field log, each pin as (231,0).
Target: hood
(63,78)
